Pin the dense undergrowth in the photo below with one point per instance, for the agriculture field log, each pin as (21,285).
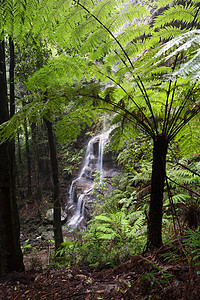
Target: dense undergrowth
(118,229)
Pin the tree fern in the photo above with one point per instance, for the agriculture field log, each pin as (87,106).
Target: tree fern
(160,113)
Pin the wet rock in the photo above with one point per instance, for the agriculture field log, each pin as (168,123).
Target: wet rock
(49,216)
(46,232)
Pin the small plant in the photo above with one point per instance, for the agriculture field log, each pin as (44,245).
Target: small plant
(192,240)
(26,245)
(156,277)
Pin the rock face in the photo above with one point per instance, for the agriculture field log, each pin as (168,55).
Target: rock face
(48,219)
(80,194)
(45,231)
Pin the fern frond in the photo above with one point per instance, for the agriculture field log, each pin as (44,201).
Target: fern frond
(188,139)
(59,71)
(167,33)
(107,19)
(178,13)
(180,198)
(19,17)
(70,126)
(182,176)
(181,43)
(162,3)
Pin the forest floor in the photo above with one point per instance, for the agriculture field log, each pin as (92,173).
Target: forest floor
(148,277)
(138,278)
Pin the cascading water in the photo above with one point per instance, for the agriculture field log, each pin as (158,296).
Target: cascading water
(82,185)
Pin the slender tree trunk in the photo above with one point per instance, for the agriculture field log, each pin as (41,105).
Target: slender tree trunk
(11,73)
(10,252)
(56,188)
(19,150)
(157,189)
(36,166)
(20,173)
(28,161)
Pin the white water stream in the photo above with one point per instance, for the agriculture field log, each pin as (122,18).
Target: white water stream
(82,185)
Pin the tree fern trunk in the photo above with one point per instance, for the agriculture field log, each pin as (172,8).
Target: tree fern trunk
(157,189)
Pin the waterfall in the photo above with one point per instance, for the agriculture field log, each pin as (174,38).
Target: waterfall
(82,185)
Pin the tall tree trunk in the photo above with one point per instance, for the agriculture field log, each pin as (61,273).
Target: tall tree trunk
(13,169)
(36,166)
(157,189)
(28,161)
(10,252)
(56,188)
(11,73)
(20,173)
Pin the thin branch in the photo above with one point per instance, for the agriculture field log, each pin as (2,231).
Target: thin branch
(194,172)
(178,113)
(141,124)
(108,30)
(183,123)
(132,99)
(167,112)
(146,97)
(184,187)
(192,25)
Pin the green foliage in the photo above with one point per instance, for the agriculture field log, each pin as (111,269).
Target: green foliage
(108,41)
(29,58)
(192,240)
(135,152)
(71,159)
(73,122)
(183,182)
(188,247)
(187,175)
(22,16)
(186,44)
(90,248)
(60,71)
(111,196)
(26,245)
(116,231)
(118,227)
(105,18)
(188,138)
